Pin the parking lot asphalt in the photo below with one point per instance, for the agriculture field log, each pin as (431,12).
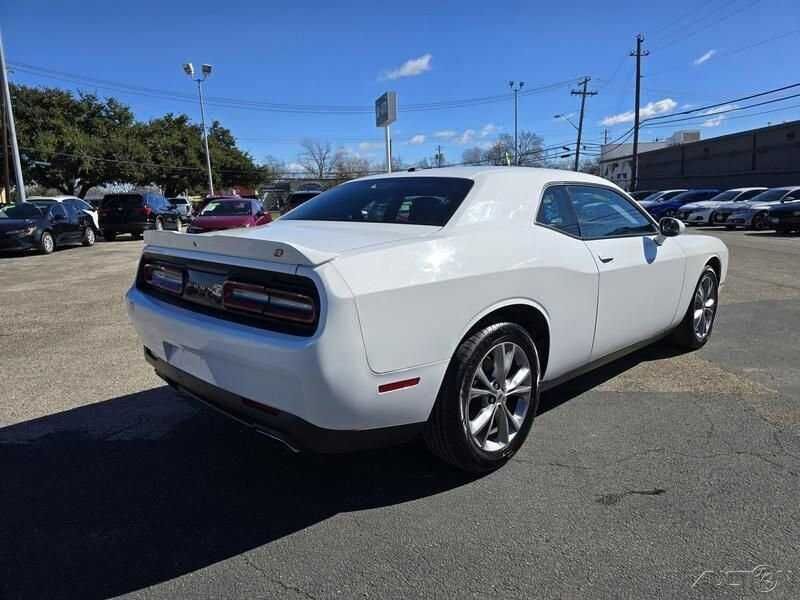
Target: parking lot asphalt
(659,475)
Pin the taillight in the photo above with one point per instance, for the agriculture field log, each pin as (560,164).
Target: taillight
(164,278)
(146,210)
(268,302)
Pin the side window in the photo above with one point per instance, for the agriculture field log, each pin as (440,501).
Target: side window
(795,195)
(556,211)
(749,194)
(604,213)
(57,209)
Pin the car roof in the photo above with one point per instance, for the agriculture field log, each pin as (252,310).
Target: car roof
(748,189)
(60,198)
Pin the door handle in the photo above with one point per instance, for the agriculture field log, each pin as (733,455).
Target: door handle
(605,259)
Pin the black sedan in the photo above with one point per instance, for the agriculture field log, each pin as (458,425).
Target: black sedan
(42,227)
(785,217)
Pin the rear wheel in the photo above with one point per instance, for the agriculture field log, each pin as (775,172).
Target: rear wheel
(109,236)
(137,235)
(46,243)
(488,400)
(695,329)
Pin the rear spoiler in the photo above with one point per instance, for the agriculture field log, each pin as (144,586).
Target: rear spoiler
(238,247)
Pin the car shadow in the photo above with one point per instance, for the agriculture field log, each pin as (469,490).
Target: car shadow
(557,396)
(123,494)
(772,234)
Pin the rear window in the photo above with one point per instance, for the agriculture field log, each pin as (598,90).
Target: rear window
(123,200)
(411,200)
(216,208)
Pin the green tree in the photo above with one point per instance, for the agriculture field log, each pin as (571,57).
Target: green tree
(73,143)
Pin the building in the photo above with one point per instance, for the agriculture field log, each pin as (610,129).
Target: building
(768,156)
(616,160)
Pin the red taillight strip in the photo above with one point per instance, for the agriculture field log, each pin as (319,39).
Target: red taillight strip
(397,385)
(164,278)
(269,302)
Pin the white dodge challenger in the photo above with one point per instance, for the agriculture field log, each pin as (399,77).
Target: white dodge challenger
(438,302)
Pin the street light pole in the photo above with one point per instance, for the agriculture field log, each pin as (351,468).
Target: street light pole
(188,68)
(12,131)
(516,91)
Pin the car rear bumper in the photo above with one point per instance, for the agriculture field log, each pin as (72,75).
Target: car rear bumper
(324,379)
(294,432)
(11,243)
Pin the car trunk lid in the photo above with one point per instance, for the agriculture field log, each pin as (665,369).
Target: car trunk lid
(308,243)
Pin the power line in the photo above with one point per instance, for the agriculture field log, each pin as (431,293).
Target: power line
(709,115)
(747,116)
(267,106)
(715,19)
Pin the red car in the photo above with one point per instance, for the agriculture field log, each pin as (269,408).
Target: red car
(229,213)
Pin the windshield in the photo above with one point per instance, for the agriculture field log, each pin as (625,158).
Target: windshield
(20,211)
(770,195)
(411,200)
(226,208)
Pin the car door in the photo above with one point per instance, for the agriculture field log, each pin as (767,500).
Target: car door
(60,224)
(640,272)
(75,221)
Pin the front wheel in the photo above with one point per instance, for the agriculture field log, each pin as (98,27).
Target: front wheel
(88,238)
(760,222)
(695,329)
(488,400)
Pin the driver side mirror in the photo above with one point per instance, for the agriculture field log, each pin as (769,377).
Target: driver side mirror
(670,227)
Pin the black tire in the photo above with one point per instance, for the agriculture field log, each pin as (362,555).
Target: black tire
(730,227)
(137,235)
(783,230)
(446,430)
(88,238)
(109,236)
(684,335)
(759,222)
(47,243)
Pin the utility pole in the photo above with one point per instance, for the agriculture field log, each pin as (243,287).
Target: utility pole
(6,170)
(582,93)
(605,136)
(188,68)
(439,156)
(9,122)
(638,53)
(516,91)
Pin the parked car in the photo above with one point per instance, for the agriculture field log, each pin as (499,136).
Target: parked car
(785,217)
(669,207)
(344,325)
(699,213)
(295,199)
(754,214)
(75,203)
(135,213)
(183,207)
(662,195)
(43,226)
(641,195)
(229,213)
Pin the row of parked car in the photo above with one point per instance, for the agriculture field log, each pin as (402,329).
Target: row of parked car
(756,208)
(45,223)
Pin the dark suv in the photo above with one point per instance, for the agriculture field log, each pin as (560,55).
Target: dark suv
(134,213)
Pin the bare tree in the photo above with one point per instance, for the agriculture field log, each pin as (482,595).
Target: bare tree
(348,166)
(317,158)
(472,156)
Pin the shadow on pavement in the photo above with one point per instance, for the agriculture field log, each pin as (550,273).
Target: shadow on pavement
(116,496)
(120,495)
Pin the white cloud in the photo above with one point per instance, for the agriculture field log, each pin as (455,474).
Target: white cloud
(411,68)
(445,134)
(701,59)
(717,119)
(648,110)
(489,129)
(466,137)
(367,146)
(417,139)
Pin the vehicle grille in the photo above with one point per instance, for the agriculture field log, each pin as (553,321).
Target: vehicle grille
(203,285)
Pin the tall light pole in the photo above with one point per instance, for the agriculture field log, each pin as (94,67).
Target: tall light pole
(516,90)
(12,131)
(188,68)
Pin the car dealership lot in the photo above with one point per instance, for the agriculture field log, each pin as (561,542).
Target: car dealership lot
(637,480)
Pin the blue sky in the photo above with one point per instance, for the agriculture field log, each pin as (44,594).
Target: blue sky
(340,54)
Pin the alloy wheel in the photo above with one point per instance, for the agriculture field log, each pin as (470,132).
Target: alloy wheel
(705,306)
(47,242)
(89,236)
(499,397)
